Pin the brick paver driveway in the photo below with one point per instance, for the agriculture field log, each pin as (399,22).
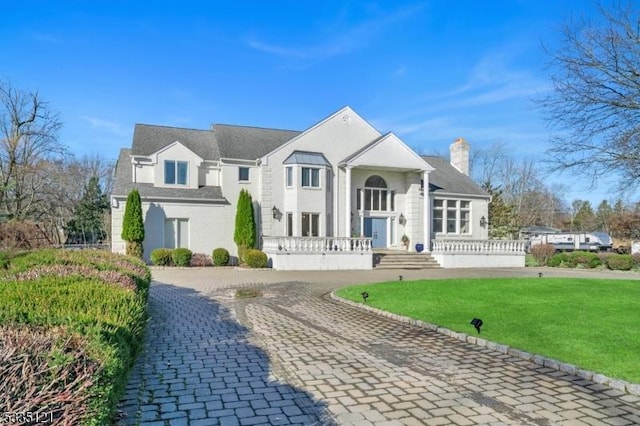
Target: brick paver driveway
(291,355)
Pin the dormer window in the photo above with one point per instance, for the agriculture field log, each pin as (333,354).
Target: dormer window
(175,172)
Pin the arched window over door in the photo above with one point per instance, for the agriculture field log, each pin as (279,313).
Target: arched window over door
(375,193)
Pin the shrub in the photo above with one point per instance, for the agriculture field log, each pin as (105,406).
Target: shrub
(559,259)
(46,362)
(4,260)
(181,256)
(255,258)
(220,256)
(161,257)
(542,253)
(95,329)
(245,227)
(133,224)
(201,259)
(620,262)
(585,259)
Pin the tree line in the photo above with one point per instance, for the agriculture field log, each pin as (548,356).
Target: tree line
(47,195)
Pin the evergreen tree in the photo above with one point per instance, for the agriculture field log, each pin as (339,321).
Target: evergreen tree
(502,217)
(87,225)
(245,230)
(133,225)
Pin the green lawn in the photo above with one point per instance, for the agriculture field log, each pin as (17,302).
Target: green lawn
(591,323)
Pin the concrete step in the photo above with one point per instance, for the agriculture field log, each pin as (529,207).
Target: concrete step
(403,260)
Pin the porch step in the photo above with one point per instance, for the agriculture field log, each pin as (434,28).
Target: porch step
(404,260)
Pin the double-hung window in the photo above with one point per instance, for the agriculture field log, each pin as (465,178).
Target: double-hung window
(310,177)
(175,172)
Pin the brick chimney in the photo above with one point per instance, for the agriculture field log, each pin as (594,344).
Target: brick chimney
(459,153)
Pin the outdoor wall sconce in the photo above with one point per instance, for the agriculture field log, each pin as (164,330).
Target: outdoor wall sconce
(275,212)
(483,222)
(364,296)
(477,323)
(401,219)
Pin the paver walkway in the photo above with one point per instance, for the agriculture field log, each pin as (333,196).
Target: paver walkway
(294,356)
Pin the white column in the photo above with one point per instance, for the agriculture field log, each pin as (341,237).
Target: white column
(426,216)
(347,202)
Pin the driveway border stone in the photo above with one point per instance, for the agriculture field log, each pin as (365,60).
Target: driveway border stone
(596,378)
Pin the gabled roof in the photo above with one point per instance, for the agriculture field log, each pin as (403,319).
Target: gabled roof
(447,179)
(149,139)
(304,157)
(249,143)
(123,184)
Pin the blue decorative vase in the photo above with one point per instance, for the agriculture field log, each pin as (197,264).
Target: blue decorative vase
(419,248)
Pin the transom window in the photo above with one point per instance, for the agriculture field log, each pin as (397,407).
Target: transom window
(452,216)
(310,177)
(243,174)
(175,172)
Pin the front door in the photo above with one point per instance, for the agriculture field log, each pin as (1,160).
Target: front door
(376,229)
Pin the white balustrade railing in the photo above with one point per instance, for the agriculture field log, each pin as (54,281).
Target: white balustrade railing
(315,244)
(479,246)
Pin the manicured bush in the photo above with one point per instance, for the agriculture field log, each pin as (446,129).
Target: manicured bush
(620,262)
(245,227)
(220,256)
(255,258)
(133,225)
(181,256)
(576,259)
(161,257)
(542,253)
(73,322)
(201,259)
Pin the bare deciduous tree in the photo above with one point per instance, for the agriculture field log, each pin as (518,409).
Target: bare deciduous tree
(28,143)
(595,101)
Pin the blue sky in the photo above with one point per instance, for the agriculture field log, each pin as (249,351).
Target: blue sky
(429,71)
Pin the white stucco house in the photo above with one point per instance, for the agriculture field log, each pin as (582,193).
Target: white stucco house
(327,197)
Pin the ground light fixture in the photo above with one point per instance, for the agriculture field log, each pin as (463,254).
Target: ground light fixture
(539,274)
(477,323)
(364,296)
(399,277)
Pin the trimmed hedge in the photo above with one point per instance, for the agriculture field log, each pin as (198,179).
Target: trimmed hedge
(181,256)
(255,258)
(220,256)
(161,257)
(576,259)
(79,316)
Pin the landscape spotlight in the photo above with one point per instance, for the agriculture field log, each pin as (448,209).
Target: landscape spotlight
(477,323)
(364,296)
(399,277)
(539,274)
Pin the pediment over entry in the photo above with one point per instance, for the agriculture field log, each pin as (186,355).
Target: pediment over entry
(387,152)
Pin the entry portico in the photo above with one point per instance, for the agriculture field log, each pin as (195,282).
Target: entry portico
(383,176)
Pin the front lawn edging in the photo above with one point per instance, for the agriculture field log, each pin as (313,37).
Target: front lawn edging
(601,379)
